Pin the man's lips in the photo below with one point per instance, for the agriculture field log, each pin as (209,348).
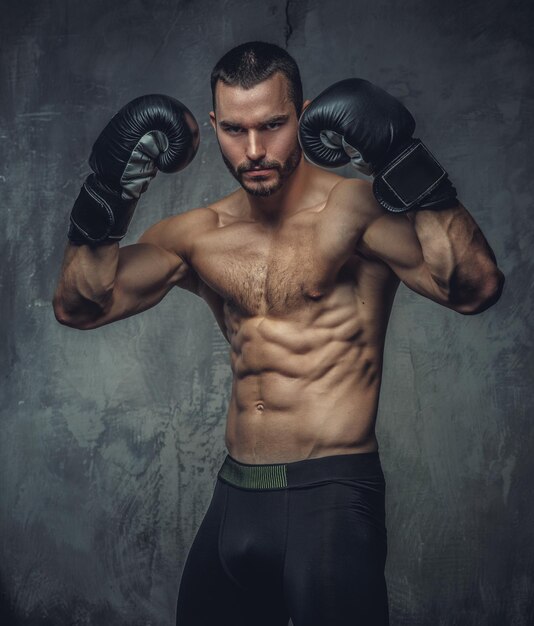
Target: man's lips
(262,172)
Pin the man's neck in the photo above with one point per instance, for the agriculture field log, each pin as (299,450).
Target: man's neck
(272,210)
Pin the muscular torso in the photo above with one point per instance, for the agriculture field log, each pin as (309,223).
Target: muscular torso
(305,315)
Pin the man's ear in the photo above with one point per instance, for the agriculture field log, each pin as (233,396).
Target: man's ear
(305,104)
(213,121)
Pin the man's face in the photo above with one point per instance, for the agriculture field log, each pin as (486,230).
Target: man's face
(257,133)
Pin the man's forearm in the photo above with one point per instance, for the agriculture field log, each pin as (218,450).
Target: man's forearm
(458,256)
(86,281)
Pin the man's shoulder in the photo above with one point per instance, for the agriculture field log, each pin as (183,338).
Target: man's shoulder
(197,218)
(352,187)
(176,232)
(212,214)
(230,207)
(354,195)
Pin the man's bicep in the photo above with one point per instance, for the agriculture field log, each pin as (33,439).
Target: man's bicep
(145,273)
(391,238)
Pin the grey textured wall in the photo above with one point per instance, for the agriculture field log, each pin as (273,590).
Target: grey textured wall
(111,439)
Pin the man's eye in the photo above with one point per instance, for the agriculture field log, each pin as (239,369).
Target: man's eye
(273,125)
(234,130)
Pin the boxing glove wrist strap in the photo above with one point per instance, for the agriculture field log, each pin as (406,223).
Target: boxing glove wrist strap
(99,216)
(414,179)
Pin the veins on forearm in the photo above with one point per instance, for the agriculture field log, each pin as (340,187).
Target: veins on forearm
(88,277)
(454,250)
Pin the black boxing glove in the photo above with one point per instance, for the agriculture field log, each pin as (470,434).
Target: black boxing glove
(353,121)
(150,133)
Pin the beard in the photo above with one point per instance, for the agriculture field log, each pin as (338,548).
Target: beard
(259,187)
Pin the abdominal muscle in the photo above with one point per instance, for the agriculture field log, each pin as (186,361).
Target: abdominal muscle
(305,386)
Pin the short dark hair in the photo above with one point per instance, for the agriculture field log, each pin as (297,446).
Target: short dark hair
(253,62)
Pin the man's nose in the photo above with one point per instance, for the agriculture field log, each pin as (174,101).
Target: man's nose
(255,146)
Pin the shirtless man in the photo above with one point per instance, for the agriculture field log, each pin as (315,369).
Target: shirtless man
(300,267)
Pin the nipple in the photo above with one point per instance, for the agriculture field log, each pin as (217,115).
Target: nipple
(315,294)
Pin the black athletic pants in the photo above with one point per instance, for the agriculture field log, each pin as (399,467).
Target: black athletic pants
(304,540)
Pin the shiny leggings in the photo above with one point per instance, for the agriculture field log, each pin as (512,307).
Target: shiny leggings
(304,540)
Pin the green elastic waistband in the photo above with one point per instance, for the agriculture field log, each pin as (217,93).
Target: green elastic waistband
(253,476)
(364,465)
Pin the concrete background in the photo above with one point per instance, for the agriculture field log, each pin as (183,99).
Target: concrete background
(111,439)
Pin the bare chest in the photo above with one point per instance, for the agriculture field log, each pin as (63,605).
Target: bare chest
(265,272)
